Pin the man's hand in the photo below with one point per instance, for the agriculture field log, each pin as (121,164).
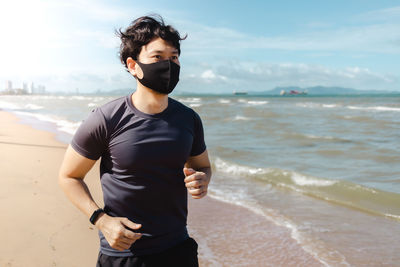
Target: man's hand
(116,232)
(196,182)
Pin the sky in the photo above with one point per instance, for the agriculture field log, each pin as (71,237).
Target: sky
(69,45)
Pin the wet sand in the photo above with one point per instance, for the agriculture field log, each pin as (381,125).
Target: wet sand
(229,235)
(42,228)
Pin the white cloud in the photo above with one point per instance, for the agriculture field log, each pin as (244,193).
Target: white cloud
(210,76)
(41,34)
(96,10)
(385,14)
(377,38)
(263,76)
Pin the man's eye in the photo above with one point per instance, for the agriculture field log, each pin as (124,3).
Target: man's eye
(157,56)
(174,57)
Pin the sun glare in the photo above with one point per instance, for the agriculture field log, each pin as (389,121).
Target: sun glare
(24,30)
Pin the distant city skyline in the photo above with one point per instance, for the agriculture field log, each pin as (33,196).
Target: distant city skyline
(25,88)
(245,46)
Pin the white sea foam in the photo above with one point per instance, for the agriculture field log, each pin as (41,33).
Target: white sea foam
(9,106)
(191,100)
(91,105)
(329,105)
(15,106)
(256,103)
(241,100)
(302,180)
(377,108)
(396,217)
(357,187)
(224,101)
(61,124)
(78,97)
(227,167)
(241,118)
(44,97)
(307,105)
(195,105)
(33,107)
(318,137)
(239,196)
(312,246)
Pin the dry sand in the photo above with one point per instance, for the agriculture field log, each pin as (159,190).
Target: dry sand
(40,227)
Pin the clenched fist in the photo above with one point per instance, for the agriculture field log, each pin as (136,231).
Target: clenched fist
(117,231)
(196,182)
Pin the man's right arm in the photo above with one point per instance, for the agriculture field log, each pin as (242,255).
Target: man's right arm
(71,179)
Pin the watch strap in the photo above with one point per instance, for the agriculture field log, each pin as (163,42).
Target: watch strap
(94,216)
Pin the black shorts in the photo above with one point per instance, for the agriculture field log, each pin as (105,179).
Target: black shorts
(183,255)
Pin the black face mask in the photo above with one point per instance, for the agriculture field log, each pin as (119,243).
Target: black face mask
(161,76)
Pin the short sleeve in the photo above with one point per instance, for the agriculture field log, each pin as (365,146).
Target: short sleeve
(90,140)
(198,146)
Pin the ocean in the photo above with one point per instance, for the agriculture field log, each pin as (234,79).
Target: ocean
(327,168)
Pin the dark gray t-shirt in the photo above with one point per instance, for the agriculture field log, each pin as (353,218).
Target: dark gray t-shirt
(142,160)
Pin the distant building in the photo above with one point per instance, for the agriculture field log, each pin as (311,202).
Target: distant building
(25,87)
(31,88)
(41,89)
(9,85)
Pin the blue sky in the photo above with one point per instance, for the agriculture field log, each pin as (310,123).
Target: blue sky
(231,45)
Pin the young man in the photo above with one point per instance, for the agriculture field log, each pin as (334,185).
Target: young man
(152,153)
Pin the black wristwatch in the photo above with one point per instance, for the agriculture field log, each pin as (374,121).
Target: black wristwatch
(95,214)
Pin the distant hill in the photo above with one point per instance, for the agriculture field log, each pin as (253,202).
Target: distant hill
(322,90)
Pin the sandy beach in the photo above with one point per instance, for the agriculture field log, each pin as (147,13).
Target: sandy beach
(42,228)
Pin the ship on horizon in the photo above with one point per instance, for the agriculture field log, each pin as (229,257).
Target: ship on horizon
(239,92)
(293,92)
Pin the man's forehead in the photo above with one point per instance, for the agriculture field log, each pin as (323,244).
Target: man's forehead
(159,46)
(157,51)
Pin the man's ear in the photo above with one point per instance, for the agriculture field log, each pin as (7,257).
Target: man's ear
(130,63)
(134,68)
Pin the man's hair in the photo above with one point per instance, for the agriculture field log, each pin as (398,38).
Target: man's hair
(141,31)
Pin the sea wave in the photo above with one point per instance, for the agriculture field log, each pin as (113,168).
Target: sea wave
(190,100)
(241,118)
(9,106)
(33,107)
(316,105)
(60,123)
(321,138)
(20,107)
(329,105)
(375,108)
(311,245)
(302,180)
(195,105)
(224,101)
(78,97)
(311,136)
(307,105)
(340,192)
(256,103)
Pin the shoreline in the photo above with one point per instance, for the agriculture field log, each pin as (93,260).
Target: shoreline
(52,232)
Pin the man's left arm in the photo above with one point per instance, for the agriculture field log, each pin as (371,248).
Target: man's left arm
(198,174)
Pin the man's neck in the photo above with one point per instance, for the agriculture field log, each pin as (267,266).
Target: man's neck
(148,101)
